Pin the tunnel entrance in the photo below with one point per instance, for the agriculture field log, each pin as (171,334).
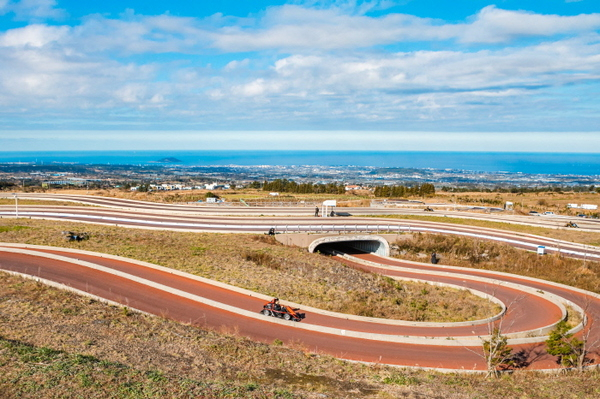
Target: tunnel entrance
(351,244)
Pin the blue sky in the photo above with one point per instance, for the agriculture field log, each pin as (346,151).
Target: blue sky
(378,75)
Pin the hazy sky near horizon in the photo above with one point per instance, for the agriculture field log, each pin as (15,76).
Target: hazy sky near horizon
(509,75)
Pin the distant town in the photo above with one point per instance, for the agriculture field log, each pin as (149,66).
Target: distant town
(177,177)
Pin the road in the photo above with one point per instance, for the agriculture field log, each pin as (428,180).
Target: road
(166,293)
(532,307)
(225,209)
(291,224)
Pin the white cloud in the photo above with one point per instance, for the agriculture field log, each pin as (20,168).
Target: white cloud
(493,25)
(296,28)
(33,36)
(434,71)
(32,10)
(291,27)
(301,67)
(136,34)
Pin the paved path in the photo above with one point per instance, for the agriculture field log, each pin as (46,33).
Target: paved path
(449,210)
(532,307)
(201,302)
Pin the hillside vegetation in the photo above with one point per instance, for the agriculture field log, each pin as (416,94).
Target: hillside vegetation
(54,344)
(261,264)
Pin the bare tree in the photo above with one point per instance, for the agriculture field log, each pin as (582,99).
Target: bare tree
(496,352)
(572,352)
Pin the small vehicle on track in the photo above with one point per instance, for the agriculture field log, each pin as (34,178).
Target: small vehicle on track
(572,225)
(273,308)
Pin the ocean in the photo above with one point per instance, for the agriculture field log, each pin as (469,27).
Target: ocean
(528,163)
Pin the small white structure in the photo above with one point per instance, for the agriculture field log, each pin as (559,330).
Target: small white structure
(541,250)
(583,206)
(326,205)
(509,206)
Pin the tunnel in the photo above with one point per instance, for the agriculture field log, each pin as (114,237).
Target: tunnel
(351,244)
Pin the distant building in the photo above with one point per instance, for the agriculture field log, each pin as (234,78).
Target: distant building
(216,186)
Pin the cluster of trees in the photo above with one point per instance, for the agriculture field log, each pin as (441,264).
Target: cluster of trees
(422,190)
(290,186)
(6,185)
(516,190)
(570,351)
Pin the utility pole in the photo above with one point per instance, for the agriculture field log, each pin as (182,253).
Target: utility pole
(16,205)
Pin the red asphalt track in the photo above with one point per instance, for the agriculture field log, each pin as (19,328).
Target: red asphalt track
(525,311)
(156,301)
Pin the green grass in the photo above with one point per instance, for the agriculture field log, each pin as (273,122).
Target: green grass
(4,229)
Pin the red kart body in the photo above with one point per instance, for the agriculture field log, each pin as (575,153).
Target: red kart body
(282,311)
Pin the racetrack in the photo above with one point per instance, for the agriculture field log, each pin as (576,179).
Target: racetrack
(227,209)
(532,307)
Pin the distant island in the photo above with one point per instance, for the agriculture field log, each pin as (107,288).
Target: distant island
(168,160)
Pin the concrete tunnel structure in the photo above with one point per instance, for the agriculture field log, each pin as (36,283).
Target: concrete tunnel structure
(366,243)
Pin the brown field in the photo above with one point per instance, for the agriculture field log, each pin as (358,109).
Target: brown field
(566,234)
(480,254)
(54,344)
(542,201)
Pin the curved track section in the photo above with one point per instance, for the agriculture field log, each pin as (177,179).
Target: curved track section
(451,210)
(138,219)
(532,307)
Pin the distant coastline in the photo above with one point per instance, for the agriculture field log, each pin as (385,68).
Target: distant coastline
(499,162)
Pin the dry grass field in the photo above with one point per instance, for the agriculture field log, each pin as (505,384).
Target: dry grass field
(563,233)
(260,263)
(54,344)
(523,202)
(467,252)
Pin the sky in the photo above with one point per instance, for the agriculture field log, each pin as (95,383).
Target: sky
(436,75)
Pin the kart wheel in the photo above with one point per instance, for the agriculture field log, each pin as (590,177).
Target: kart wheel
(266,312)
(286,316)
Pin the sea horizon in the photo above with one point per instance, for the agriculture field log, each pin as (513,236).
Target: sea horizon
(587,164)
